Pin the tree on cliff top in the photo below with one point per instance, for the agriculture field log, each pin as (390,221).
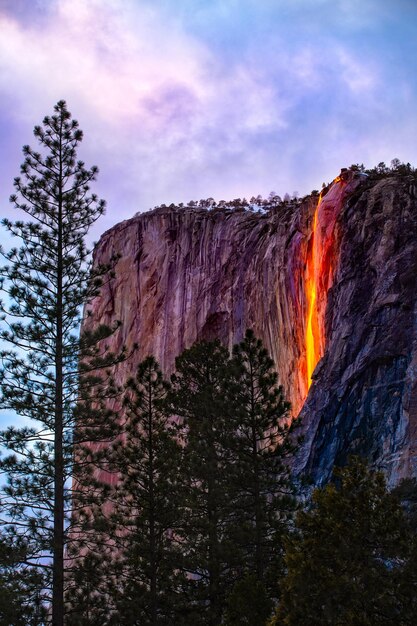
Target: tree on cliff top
(350,560)
(47,281)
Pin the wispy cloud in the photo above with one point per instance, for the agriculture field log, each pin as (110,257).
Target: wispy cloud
(230,99)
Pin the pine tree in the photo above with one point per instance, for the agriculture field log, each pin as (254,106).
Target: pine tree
(406,591)
(21,588)
(138,579)
(47,281)
(248,603)
(148,464)
(265,501)
(349,561)
(202,399)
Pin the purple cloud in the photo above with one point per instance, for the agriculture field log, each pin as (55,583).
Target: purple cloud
(227,100)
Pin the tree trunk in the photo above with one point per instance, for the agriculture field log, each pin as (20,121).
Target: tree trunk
(58,541)
(259,565)
(213,550)
(153,564)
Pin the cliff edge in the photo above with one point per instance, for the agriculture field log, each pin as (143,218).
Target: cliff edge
(328,283)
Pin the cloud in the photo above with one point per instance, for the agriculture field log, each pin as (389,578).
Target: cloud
(144,89)
(105,61)
(361,78)
(228,99)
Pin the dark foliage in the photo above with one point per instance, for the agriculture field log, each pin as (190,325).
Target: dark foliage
(203,399)
(47,371)
(351,560)
(265,493)
(248,603)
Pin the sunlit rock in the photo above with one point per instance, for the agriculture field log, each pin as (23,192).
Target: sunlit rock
(329,285)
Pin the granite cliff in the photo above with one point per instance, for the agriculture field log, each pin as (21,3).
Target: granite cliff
(329,284)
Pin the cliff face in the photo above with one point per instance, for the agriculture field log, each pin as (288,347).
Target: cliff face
(330,281)
(364,396)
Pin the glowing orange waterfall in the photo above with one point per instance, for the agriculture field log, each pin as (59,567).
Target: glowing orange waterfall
(321,262)
(312,338)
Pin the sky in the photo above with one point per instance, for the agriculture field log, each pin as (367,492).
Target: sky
(188,99)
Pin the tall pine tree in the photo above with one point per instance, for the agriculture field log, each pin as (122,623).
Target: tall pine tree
(202,399)
(47,280)
(265,494)
(138,577)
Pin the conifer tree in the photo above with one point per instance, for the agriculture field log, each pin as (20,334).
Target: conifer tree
(202,398)
(248,603)
(148,464)
(265,494)
(351,559)
(47,280)
(406,588)
(22,601)
(138,578)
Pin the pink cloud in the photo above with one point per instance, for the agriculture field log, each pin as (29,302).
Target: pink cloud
(169,116)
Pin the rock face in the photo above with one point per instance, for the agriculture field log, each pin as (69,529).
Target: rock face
(331,280)
(364,396)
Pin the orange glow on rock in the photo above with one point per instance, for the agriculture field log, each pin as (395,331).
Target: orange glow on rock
(321,264)
(312,337)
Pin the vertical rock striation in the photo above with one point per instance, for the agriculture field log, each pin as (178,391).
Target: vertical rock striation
(364,396)
(186,274)
(189,274)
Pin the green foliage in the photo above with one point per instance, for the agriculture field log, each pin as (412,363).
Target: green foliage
(148,464)
(137,578)
(22,601)
(350,560)
(202,397)
(275,204)
(47,372)
(265,494)
(234,424)
(406,492)
(397,169)
(248,603)
(202,495)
